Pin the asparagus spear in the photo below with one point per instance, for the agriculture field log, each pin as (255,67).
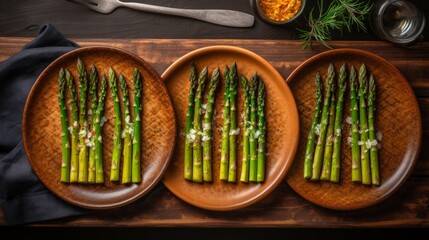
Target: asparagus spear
(93,81)
(187,169)
(318,153)
(244,176)
(327,153)
(336,155)
(207,128)
(252,140)
(233,129)
(83,123)
(354,109)
(197,171)
(309,150)
(99,173)
(117,138)
(65,142)
(375,172)
(137,141)
(260,177)
(74,161)
(224,161)
(127,133)
(364,154)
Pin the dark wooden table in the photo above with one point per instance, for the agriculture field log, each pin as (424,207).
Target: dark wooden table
(283,208)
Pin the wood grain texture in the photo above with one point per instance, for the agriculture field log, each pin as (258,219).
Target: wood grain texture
(408,207)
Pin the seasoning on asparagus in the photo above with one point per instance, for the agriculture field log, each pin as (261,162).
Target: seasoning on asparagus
(327,152)
(260,177)
(336,154)
(233,129)
(224,161)
(354,109)
(207,128)
(74,160)
(309,150)
(99,122)
(117,138)
(364,154)
(93,82)
(252,140)
(65,135)
(137,141)
(244,176)
(375,171)
(197,171)
(189,138)
(127,132)
(83,123)
(318,153)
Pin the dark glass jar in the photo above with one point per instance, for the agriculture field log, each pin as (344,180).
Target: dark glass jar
(398,21)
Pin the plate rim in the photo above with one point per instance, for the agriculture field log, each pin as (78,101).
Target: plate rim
(403,178)
(157,78)
(281,177)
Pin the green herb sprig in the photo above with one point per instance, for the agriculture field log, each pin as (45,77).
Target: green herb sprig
(340,14)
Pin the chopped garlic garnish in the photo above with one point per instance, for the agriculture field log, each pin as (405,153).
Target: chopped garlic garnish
(192,131)
(99,139)
(75,124)
(234,131)
(349,120)
(70,129)
(204,106)
(349,140)
(207,126)
(206,138)
(103,120)
(127,119)
(317,129)
(379,136)
(257,133)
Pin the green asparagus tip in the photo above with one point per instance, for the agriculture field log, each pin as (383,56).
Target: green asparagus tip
(80,66)
(362,77)
(93,69)
(193,74)
(342,77)
(261,86)
(244,82)
(61,74)
(331,67)
(371,83)
(68,75)
(215,75)
(204,71)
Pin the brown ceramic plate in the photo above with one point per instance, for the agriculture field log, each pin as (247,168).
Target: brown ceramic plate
(42,129)
(282,129)
(397,118)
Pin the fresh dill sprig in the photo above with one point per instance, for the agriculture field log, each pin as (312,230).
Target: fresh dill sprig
(340,14)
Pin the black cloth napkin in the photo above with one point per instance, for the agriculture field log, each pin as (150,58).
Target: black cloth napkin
(24,198)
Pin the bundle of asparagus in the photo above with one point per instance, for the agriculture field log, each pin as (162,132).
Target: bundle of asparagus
(365,166)
(82,160)
(198,139)
(328,132)
(253,161)
(322,158)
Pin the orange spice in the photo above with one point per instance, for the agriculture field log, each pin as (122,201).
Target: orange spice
(280,10)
